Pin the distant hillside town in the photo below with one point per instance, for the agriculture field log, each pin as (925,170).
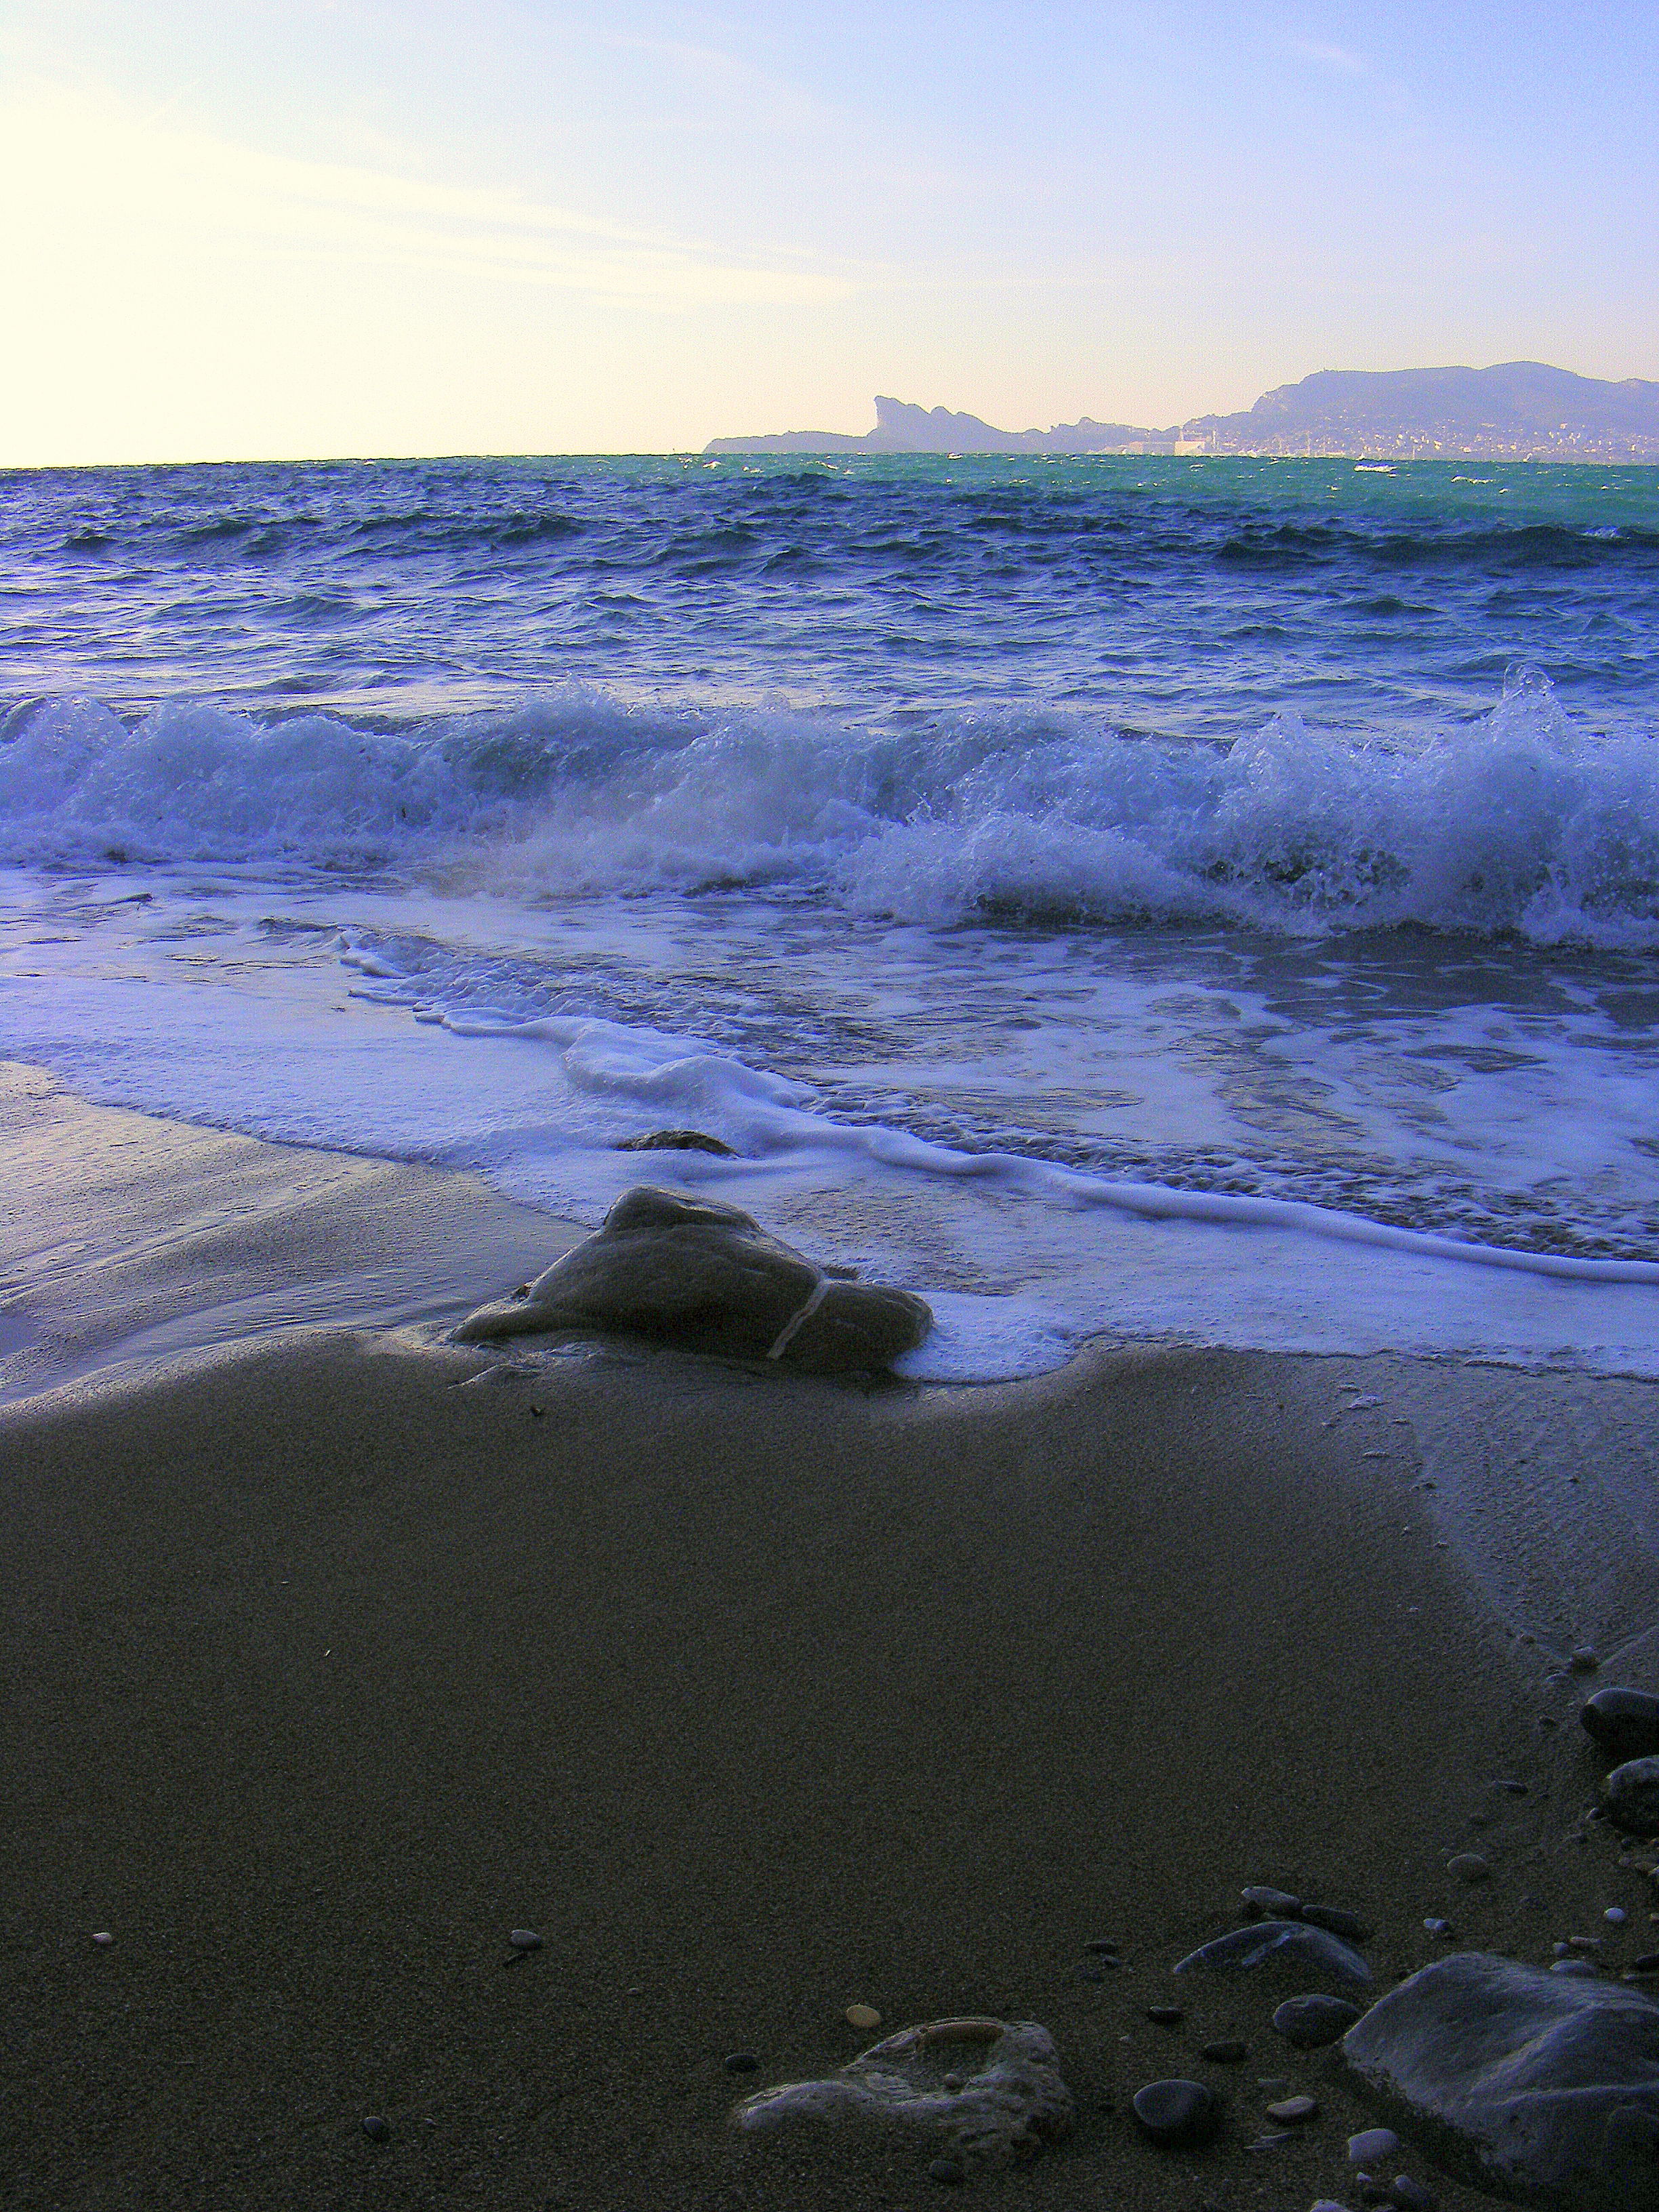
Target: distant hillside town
(1519,411)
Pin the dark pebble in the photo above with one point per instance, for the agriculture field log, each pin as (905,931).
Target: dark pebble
(1311,2023)
(1469,1866)
(1584,1660)
(1633,1796)
(742,2061)
(1647,1964)
(1348,1924)
(1103,1947)
(1262,1903)
(1625,1723)
(1512,1789)
(1172,2016)
(949,2170)
(1225,2051)
(1413,2195)
(1180,2115)
(375,2128)
(1631,2140)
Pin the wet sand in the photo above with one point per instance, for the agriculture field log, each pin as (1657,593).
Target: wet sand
(335,1654)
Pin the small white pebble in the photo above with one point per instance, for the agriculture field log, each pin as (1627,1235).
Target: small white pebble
(1373,2144)
(103,1937)
(1617,1914)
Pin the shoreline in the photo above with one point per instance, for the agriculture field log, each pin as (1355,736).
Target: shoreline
(340,1652)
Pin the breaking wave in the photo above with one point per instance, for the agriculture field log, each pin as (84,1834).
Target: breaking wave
(1516,824)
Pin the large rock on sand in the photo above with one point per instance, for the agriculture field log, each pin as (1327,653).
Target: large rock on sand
(708,1277)
(1539,2087)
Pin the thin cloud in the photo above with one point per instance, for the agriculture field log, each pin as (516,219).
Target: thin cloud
(1336,58)
(89,168)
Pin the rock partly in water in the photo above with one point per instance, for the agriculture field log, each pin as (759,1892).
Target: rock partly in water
(1632,1794)
(677,1140)
(1179,2115)
(1005,2100)
(1539,2088)
(1313,2023)
(708,1277)
(1291,1948)
(1625,1723)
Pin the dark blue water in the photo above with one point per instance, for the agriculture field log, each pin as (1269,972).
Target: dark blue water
(1186,598)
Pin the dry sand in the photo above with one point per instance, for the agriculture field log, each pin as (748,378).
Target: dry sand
(333,1656)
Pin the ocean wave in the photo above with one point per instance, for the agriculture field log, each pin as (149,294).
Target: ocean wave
(1517,824)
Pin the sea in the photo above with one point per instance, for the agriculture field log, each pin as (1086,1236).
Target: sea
(1179,900)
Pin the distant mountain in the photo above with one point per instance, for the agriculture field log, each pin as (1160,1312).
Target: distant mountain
(901,428)
(1521,411)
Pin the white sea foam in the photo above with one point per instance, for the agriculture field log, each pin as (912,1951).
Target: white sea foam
(1519,823)
(189,1005)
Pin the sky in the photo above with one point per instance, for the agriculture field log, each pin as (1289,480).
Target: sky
(295,228)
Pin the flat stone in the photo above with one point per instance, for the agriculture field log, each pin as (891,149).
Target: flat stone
(1171,2015)
(1179,2115)
(524,1939)
(741,2061)
(1293,2111)
(1625,1723)
(1262,1903)
(1533,2086)
(1632,1796)
(1224,2050)
(1313,2023)
(1289,1949)
(677,1140)
(1348,1925)
(1469,1866)
(1586,1969)
(1008,2100)
(707,1276)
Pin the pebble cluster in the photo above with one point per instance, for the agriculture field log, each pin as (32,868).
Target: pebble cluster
(1284,1936)
(1282,1933)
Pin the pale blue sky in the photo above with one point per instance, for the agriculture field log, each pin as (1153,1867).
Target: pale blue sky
(303,227)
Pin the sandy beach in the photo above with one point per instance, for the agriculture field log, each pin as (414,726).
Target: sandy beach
(335,1653)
